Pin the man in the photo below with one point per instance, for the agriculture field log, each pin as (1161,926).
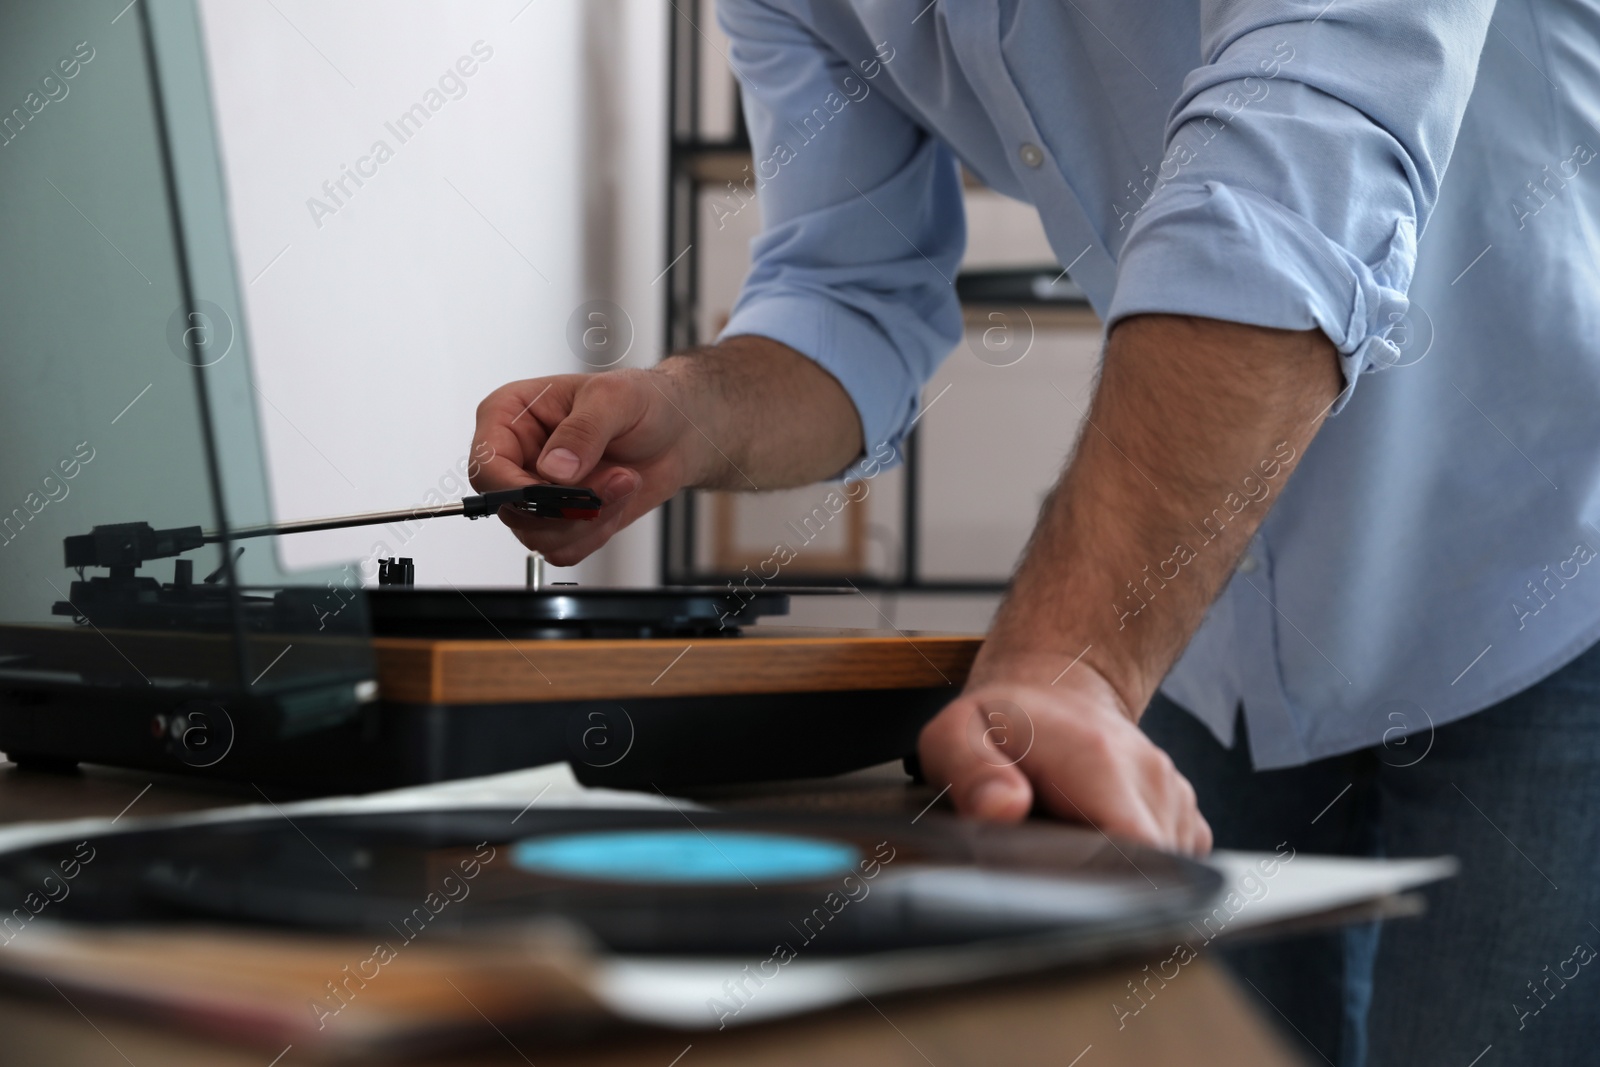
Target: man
(1396,659)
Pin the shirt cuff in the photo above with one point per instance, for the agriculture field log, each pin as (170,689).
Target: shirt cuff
(1219,252)
(846,344)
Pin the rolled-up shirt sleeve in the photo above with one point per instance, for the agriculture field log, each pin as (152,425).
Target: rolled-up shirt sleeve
(1302,160)
(862,223)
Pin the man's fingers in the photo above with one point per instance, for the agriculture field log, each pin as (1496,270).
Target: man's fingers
(511,424)
(1111,807)
(1155,805)
(1164,788)
(605,407)
(1194,833)
(500,472)
(1000,746)
(1201,841)
(1088,773)
(567,543)
(1187,828)
(1003,797)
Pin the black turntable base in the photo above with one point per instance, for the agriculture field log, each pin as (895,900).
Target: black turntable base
(637,688)
(509,679)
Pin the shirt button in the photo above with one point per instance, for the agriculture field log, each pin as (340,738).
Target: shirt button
(1248,565)
(1031,154)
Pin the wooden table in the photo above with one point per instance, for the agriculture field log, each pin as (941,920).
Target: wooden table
(1060,1019)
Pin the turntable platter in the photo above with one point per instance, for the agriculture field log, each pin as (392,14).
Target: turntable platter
(570,612)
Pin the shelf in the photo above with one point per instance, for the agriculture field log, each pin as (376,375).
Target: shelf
(1042,315)
(724,161)
(713,165)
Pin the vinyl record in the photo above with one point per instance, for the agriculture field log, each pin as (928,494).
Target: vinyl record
(637,881)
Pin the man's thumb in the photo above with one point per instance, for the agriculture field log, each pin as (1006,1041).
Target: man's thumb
(605,407)
(974,749)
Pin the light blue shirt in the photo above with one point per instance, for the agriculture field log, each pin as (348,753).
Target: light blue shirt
(1274,162)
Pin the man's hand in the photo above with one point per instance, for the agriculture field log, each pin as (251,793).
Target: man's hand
(748,413)
(1194,429)
(1070,747)
(617,433)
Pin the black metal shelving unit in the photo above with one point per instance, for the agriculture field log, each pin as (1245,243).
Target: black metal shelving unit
(694,162)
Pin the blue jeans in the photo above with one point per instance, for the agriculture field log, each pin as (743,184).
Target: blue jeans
(1506,954)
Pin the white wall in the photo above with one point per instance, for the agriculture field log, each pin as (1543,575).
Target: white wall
(377,328)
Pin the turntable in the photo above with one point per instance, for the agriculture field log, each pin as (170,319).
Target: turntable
(169,636)
(640,688)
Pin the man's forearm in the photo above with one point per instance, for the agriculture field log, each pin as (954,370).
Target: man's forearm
(762,415)
(1194,430)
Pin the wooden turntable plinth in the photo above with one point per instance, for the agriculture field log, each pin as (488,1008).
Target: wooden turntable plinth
(767,659)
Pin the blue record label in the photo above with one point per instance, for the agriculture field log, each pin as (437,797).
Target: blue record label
(685,857)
